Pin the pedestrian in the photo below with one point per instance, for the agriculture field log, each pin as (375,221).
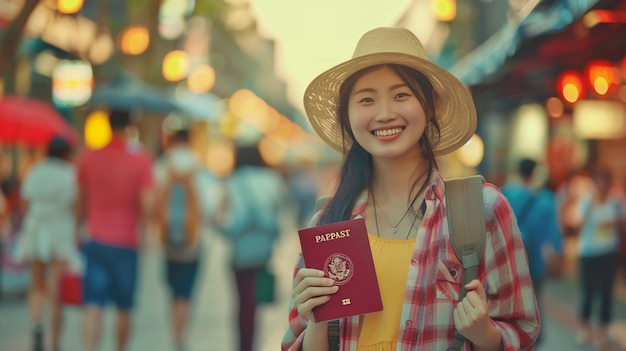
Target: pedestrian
(179,217)
(115,188)
(391,111)
(15,275)
(47,240)
(536,214)
(598,252)
(5,228)
(249,220)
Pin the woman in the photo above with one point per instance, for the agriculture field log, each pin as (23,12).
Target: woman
(47,241)
(249,218)
(391,111)
(598,251)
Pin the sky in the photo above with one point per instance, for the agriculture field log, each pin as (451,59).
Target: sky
(313,36)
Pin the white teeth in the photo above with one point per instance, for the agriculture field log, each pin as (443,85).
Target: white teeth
(387,132)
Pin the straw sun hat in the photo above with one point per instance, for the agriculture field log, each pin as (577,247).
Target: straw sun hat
(454,107)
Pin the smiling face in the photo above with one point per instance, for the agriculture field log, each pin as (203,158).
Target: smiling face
(385,115)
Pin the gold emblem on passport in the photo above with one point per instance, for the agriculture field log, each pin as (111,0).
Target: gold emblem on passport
(346,302)
(339,268)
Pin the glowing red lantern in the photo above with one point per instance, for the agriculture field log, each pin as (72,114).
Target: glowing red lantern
(570,86)
(603,77)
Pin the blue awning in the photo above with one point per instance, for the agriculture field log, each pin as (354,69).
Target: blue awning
(488,57)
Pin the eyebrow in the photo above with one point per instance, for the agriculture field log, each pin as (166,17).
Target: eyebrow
(372,90)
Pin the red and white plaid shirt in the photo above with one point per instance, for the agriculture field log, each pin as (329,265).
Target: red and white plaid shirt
(435,278)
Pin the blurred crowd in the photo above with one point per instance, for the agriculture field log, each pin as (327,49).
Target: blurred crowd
(587,210)
(73,227)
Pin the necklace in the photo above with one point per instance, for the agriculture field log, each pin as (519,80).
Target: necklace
(394,229)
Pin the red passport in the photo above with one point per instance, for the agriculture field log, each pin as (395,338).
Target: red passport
(342,250)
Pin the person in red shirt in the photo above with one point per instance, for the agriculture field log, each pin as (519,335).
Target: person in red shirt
(115,190)
(391,111)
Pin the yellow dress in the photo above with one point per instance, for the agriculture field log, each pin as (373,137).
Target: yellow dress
(379,330)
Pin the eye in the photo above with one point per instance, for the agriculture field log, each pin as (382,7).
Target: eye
(401,96)
(366,100)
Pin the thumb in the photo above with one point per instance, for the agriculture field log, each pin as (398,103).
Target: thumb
(476,286)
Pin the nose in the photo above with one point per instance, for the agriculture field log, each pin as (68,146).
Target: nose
(386,111)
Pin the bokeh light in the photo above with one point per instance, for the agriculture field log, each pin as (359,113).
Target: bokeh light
(599,119)
(570,86)
(69,6)
(171,28)
(554,107)
(175,65)
(101,49)
(45,62)
(72,83)
(134,40)
(172,16)
(201,79)
(471,153)
(220,156)
(273,149)
(444,10)
(97,130)
(602,76)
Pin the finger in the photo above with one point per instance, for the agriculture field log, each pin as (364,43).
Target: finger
(307,272)
(312,282)
(476,286)
(306,308)
(473,284)
(312,297)
(476,301)
(462,308)
(315,291)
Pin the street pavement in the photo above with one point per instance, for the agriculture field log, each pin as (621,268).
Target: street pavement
(212,326)
(561,304)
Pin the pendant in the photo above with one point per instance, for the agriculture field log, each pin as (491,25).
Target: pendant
(393,230)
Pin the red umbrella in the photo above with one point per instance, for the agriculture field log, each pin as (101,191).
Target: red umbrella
(32,122)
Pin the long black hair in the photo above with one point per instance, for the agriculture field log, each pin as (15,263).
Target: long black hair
(356,172)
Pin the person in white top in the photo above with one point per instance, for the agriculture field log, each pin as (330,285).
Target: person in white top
(47,240)
(603,215)
(4,230)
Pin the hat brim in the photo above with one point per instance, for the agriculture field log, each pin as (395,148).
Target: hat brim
(454,110)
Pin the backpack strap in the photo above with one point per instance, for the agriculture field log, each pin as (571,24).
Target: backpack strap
(529,242)
(528,205)
(466,224)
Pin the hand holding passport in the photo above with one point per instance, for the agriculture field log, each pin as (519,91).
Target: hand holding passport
(343,252)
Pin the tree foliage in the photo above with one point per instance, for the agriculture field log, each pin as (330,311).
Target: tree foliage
(13,36)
